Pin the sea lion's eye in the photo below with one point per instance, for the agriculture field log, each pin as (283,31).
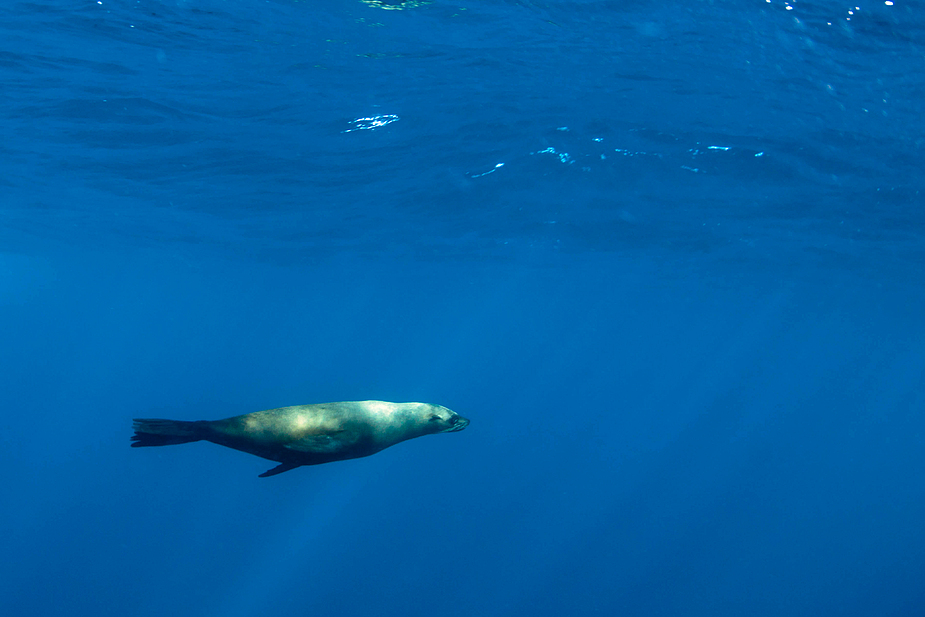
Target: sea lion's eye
(433,418)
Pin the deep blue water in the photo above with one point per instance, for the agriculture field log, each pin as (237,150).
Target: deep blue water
(668,257)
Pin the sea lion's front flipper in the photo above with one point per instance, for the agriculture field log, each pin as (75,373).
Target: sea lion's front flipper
(278,469)
(333,441)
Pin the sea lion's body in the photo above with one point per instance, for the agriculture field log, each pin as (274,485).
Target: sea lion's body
(308,434)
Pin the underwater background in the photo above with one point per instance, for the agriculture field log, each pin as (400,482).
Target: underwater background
(668,257)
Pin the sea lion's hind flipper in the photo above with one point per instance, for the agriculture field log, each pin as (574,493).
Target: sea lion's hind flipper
(157,432)
(278,469)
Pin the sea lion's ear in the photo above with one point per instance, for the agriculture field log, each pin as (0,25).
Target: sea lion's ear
(278,469)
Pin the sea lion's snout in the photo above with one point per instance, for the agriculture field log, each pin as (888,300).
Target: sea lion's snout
(457,423)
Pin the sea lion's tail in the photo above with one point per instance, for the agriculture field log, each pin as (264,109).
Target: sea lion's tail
(156,432)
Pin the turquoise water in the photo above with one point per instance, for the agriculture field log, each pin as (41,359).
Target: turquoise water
(669,258)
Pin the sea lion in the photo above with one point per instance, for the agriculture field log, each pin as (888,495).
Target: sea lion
(307,434)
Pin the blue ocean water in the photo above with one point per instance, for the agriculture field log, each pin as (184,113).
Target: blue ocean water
(668,257)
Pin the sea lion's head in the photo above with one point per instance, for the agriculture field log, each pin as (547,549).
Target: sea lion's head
(444,420)
(395,422)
